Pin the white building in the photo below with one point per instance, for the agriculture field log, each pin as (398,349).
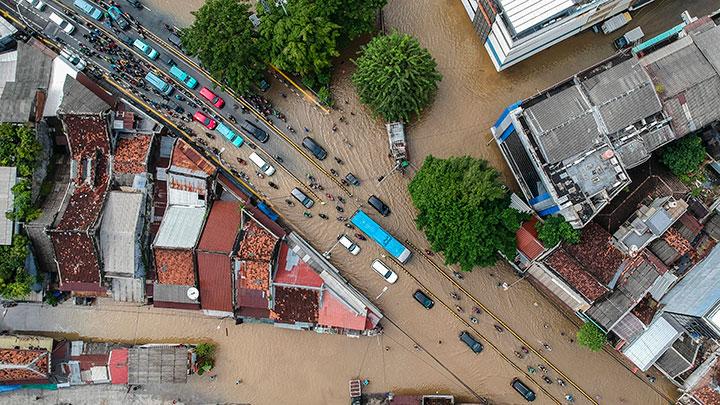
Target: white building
(514,30)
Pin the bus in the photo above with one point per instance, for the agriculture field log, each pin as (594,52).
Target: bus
(159,83)
(375,232)
(229,134)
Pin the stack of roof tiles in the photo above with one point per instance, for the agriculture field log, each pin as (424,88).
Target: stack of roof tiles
(131,154)
(74,247)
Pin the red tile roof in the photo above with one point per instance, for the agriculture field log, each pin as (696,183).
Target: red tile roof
(76,257)
(293,271)
(174,266)
(118,366)
(215,274)
(185,156)
(131,154)
(33,365)
(221,228)
(250,298)
(254,275)
(527,240)
(257,243)
(691,223)
(296,305)
(567,267)
(596,254)
(336,314)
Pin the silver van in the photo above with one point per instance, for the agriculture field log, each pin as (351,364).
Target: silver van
(306,201)
(264,166)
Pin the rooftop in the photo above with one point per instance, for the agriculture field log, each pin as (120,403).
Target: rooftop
(296,305)
(595,253)
(76,257)
(293,271)
(215,276)
(158,364)
(648,223)
(186,160)
(180,227)
(644,351)
(335,313)
(77,98)
(174,267)
(17,101)
(24,365)
(697,292)
(527,240)
(120,233)
(257,242)
(221,228)
(131,154)
(524,14)
(172,293)
(8,178)
(570,270)
(254,275)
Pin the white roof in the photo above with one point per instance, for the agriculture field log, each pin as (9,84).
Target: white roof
(60,70)
(523,14)
(7,181)
(118,232)
(8,68)
(652,343)
(180,227)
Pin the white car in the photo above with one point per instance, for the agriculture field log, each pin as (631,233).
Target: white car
(37,4)
(64,25)
(349,245)
(389,275)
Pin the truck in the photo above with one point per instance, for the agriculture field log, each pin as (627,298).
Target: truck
(629,39)
(615,23)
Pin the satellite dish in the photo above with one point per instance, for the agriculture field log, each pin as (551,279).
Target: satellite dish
(193,293)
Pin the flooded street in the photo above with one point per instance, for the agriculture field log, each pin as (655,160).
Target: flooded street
(281,366)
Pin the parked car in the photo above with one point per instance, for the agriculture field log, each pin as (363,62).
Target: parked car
(423,299)
(380,267)
(264,166)
(146,49)
(37,4)
(211,97)
(523,389)
(472,343)
(314,148)
(379,205)
(116,15)
(349,245)
(350,178)
(64,25)
(255,131)
(299,195)
(208,122)
(175,40)
(167,59)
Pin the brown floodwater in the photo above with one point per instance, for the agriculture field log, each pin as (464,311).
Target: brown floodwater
(289,367)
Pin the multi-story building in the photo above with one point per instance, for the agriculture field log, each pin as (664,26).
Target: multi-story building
(514,30)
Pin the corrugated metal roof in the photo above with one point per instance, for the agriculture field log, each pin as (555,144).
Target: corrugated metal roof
(157,364)
(524,14)
(652,343)
(8,178)
(172,293)
(698,291)
(18,96)
(119,233)
(221,228)
(78,99)
(214,271)
(180,227)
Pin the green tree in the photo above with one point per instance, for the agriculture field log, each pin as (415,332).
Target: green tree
(555,230)
(206,357)
(19,147)
(303,40)
(683,157)
(23,207)
(395,76)
(223,37)
(355,17)
(463,210)
(591,337)
(15,282)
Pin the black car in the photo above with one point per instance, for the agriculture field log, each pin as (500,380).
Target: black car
(523,389)
(166,59)
(314,148)
(423,299)
(255,131)
(350,178)
(379,205)
(473,344)
(136,4)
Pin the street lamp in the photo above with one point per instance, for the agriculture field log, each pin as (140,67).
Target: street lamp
(381,293)
(506,287)
(326,254)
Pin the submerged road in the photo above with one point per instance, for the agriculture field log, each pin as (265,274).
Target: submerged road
(404,313)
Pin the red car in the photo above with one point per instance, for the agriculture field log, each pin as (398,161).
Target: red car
(205,120)
(212,97)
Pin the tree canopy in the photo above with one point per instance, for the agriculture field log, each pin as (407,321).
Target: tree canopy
(15,282)
(463,208)
(355,17)
(591,337)
(19,148)
(303,41)
(395,76)
(684,156)
(223,37)
(555,230)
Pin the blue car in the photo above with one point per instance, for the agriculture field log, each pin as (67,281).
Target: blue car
(88,9)
(146,49)
(116,15)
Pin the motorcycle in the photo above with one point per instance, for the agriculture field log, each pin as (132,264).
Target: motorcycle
(323,216)
(360,236)
(241,161)
(273,185)
(232,119)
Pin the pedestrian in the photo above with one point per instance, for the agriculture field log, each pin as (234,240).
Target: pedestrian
(439,342)
(387,348)
(237,382)
(306,129)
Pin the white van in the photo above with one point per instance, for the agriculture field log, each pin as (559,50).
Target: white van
(262,164)
(384,271)
(349,245)
(64,25)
